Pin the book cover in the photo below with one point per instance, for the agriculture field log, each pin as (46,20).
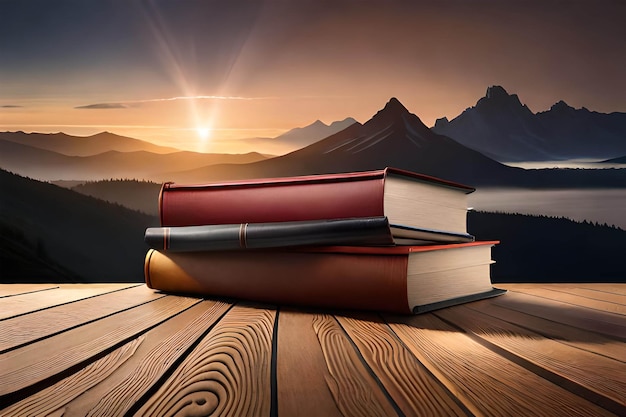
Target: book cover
(396,279)
(404,197)
(366,231)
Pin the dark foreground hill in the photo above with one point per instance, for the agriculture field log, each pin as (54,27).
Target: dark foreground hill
(137,195)
(546,249)
(49,230)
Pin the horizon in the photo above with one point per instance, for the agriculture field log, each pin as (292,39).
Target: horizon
(202,76)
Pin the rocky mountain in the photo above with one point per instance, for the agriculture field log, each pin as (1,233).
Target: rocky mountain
(392,137)
(503,128)
(395,137)
(83,146)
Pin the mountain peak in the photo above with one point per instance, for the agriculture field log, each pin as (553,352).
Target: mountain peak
(561,106)
(497,96)
(394,105)
(318,123)
(496,91)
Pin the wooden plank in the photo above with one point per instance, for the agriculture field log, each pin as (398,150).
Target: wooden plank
(27,328)
(228,373)
(43,362)
(351,383)
(612,288)
(54,398)
(484,381)
(581,339)
(608,324)
(408,382)
(301,371)
(159,351)
(577,300)
(597,378)
(10,290)
(594,294)
(30,302)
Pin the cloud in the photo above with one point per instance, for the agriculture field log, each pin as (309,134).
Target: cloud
(137,103)
(103,106)
(11,106)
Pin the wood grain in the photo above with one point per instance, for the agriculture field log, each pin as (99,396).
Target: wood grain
(351,383)
(34,301)
(10,290)
(599,379)
(487,383)
(161,348)
(53,398)
(564,296)
(32,364)
(301,371)
(27,328)
(408,382)
(594,294)
(613,288)
(102,350)
(227,374)
(591,342)
(596,321)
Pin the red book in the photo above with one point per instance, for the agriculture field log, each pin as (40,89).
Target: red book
(405,198)
(399,279)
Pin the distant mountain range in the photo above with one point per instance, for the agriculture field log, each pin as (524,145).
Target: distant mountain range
(504,129)
(43,164)
(293,139)
(83,146)
(499,127)
(396,137)
(308,135)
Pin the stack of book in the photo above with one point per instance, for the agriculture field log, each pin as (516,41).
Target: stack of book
(387,240)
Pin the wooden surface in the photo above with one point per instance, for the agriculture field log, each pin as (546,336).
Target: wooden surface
(115,350)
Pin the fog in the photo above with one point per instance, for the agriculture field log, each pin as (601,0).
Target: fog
(597,205)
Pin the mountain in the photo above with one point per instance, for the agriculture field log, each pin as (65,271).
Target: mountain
(293,139)
(52,166)
(503,128)
(83,146)
(45,226)
(395,137)
(304,136)
(392,137)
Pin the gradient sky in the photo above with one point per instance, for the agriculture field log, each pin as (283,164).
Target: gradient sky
(158,70)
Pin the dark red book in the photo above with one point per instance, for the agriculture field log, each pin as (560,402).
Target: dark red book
(398,279)
(405,198)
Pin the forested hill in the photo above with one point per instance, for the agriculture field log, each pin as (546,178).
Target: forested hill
(49,231)
(547,249)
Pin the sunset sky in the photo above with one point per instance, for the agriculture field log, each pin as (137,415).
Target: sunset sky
(199,74)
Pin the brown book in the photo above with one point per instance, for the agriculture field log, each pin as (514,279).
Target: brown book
(405,198)
(399,279)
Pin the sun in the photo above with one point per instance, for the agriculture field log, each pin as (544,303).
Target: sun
(203,132)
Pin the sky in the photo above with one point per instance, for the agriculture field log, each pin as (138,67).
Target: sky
(200,75)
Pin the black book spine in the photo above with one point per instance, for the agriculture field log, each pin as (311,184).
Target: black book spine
(370,231)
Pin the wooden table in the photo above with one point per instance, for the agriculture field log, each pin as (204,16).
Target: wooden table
(109,350)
